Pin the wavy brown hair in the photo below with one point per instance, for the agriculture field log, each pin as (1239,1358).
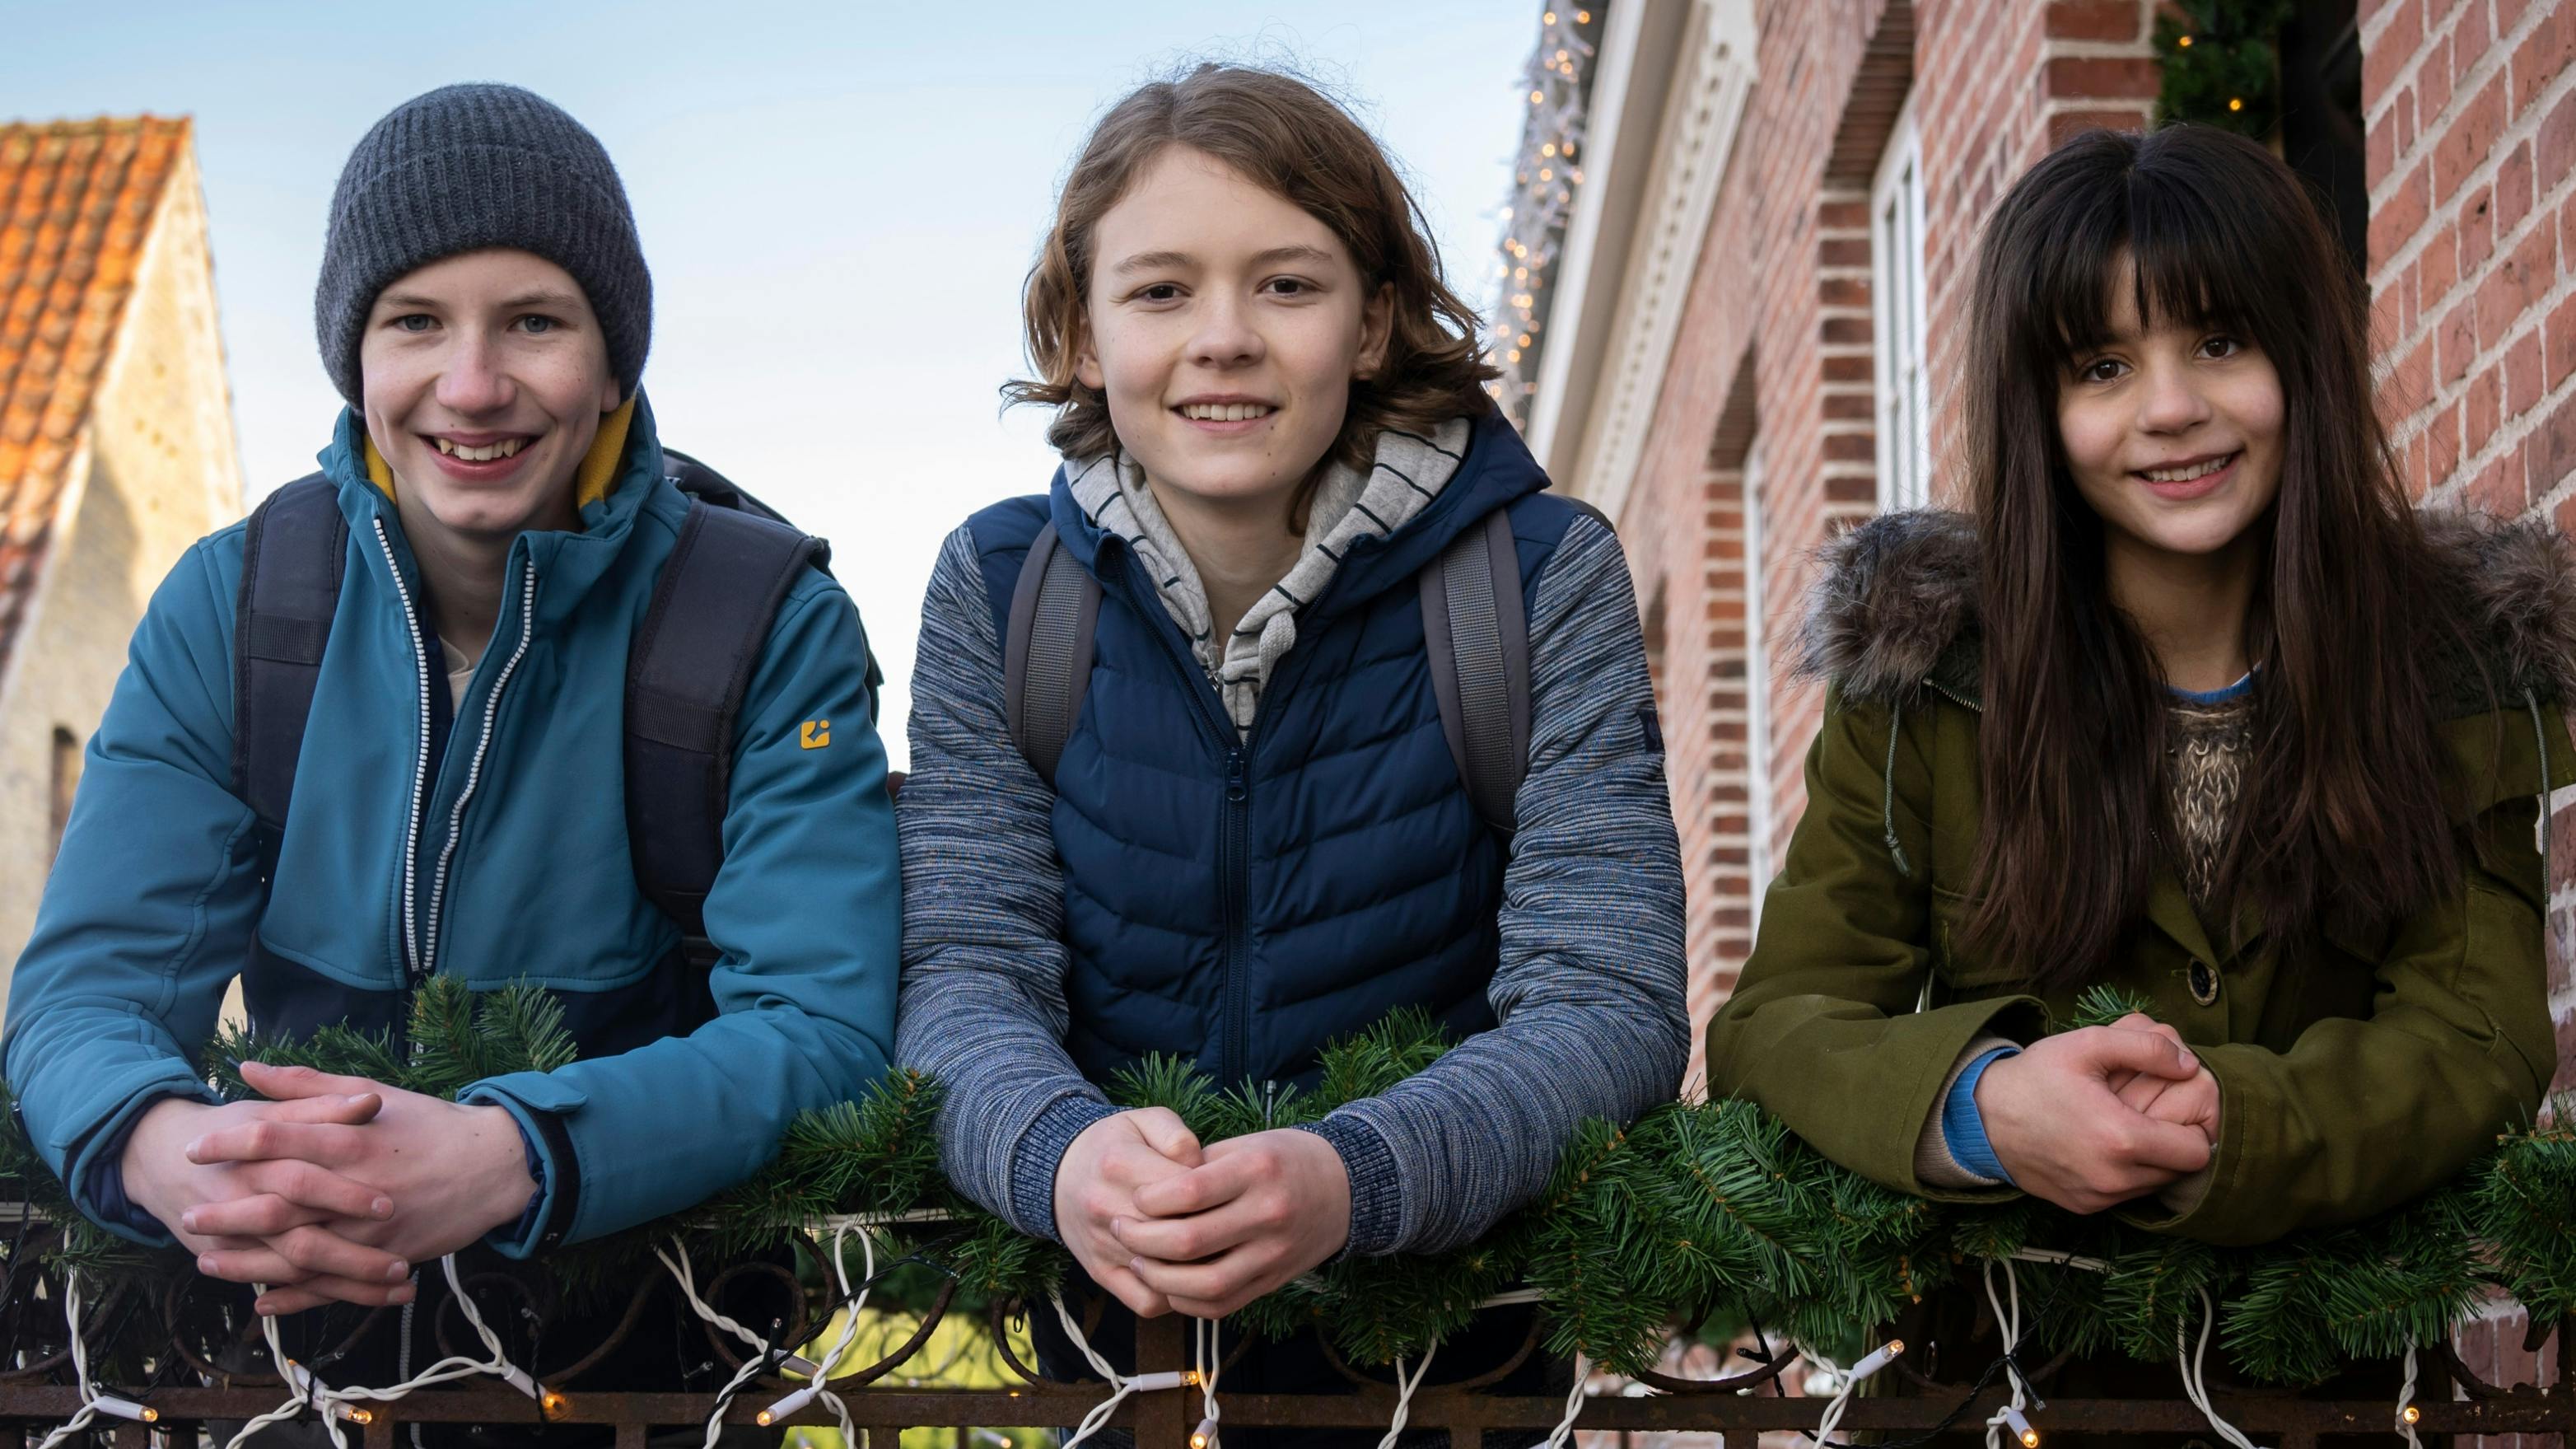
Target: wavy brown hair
(1283,135)
(2343,813)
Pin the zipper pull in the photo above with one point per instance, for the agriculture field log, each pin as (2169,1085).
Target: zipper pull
(1238,783)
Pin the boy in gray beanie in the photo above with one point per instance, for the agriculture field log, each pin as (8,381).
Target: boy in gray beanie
(472,166)
(504,520)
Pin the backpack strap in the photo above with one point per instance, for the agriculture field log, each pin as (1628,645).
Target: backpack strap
(293,553)
(1477,632)
(1046,654)
(686,672)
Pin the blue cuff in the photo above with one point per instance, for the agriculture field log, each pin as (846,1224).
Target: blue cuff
(1377,1199)
(549,1160)
(106,1197)
(1040,1152)
(100,1192)
(1963,1127)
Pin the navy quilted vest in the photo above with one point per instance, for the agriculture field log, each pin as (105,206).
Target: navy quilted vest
(1244,903)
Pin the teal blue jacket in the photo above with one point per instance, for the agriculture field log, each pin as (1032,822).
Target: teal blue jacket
(494,850)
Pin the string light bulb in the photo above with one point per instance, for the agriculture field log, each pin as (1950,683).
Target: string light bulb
(1204,1436)
(2235,103)
(788,1406)
(355,1415)
(126,1409)
(2184,41)
(1878,1358)
(2412,1414)
(2021,1428)
(553,1404)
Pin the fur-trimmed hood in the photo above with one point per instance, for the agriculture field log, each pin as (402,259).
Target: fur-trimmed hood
(1894,609)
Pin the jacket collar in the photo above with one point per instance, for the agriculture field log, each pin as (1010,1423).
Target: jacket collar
(1893,618)
(1497,471)
(1894,612)
(568,564)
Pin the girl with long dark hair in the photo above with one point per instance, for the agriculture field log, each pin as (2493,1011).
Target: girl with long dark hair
(2193,704)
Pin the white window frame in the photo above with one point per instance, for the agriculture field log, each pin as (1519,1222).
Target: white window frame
(1757,697)
(1901,416)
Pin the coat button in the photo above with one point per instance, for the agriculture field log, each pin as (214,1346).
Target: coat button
(2204,984)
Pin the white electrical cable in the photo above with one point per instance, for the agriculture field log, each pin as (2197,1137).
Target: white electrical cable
(1121,1386)
(2012,1416)
(1573,1403)
(1852,1378)
(91,1398)
(335,1405)
(1204,1356)
(818,1387)
(684,1272)
(2407,1412)
(1404,1388)
(2194,1386)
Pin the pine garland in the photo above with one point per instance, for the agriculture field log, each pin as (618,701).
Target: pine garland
(1695,1208)
(2221,64)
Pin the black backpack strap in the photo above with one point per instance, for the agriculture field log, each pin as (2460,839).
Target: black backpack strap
(1046,654)
(686,672)
(1477,632)
(293,553)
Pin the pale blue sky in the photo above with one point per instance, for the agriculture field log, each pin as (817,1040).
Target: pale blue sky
(838,201)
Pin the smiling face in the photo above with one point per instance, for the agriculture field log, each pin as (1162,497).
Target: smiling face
(1225,327)
(2172,432)
(484,379)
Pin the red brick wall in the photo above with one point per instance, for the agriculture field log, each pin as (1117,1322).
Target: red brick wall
(2471,112)
(1782,353)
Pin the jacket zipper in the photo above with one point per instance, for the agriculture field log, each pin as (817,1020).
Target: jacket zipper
(1233,839)
(420,766)
(1234,1044)
(474,773)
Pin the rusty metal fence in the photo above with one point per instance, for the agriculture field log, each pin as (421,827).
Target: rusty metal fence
(187,1392)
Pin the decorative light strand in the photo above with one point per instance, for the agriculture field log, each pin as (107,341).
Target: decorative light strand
(2194,1386)
(2010,1416)
(1546,173)
(1121,1386)
(1404,1387)
(1852,1378)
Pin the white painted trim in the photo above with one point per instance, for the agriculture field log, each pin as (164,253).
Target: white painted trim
(1757,697)
(1694,146)
(1640,51)
(1896,271)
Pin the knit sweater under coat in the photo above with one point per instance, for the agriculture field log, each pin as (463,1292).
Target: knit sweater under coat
(1241,900)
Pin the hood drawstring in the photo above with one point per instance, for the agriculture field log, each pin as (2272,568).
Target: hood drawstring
(2540,738)
(1887,805)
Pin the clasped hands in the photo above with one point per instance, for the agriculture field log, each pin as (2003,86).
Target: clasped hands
(330,1190)
(1166,1224)
(2090,1119)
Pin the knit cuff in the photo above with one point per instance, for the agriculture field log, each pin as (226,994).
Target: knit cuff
(1377,1198)
(1938,1162)
(1040,1152)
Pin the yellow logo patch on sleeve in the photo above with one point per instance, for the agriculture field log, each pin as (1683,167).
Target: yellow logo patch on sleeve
(814,734)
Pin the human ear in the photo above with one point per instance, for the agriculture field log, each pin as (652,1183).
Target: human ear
(1086,364)
(1377,326)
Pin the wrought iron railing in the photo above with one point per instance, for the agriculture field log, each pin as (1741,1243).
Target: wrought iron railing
(190,1382)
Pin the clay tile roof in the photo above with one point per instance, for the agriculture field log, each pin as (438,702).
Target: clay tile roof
(76,201)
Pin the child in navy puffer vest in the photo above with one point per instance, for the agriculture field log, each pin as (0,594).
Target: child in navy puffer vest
(1255,839)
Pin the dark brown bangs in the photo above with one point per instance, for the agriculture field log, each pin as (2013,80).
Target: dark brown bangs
(2343,812)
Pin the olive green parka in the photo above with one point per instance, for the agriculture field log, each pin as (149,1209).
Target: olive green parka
(2351,1079)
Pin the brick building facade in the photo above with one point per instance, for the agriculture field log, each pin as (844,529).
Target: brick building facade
(1758,319)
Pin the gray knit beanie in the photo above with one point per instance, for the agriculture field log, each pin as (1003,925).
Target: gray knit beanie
(472,166)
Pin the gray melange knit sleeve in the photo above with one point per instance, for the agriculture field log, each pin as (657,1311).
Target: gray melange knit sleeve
(983,918)
(1589,992)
